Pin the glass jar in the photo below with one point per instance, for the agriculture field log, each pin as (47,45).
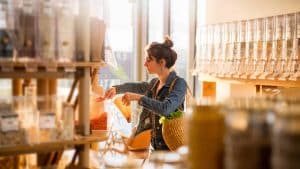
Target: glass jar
(247,140)
(205,126)
(286,136)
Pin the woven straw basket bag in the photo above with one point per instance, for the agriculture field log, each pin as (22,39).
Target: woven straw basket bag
(172,131)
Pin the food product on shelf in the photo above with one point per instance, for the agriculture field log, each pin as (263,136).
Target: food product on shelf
(46,31)
(47,127)
(97,39)
(66,130)
(13,138)
(27,27)
(10,131)
(66,32)
(6,46)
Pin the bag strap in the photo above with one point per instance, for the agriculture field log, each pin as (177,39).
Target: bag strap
(172,85)
(188,96)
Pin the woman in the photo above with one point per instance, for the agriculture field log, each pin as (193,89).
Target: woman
(155,96)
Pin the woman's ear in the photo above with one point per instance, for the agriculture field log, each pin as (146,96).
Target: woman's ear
(162,62)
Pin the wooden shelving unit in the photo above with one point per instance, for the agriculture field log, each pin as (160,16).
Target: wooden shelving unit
(281,83)
(51,146)
(79,70)
(11,69)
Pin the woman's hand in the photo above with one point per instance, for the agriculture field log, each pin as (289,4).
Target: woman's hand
(110,93)
(128,97)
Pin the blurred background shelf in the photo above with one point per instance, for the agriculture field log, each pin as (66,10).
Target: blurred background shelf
(282,83)
(42,70)
(52,146)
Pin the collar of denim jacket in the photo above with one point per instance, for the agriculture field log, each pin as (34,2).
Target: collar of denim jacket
(170,78)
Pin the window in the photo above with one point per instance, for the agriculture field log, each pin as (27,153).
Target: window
(155,21)
(180,34)
(119,41)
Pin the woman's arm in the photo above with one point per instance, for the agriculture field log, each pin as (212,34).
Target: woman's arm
(139,88)
(170,103)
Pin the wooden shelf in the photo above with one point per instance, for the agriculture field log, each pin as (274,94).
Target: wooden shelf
(285,83)
(9,69)
(52,146)
(58,64)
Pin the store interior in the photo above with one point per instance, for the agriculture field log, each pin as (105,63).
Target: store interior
(240,61)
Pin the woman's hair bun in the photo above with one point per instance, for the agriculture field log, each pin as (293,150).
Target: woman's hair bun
(167,42)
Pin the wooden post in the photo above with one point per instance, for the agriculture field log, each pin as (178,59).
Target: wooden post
(83,52)
(17,87)
(84,109)
(52,86)
(42,91)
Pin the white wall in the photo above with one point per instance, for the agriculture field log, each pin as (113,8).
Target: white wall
(231,10)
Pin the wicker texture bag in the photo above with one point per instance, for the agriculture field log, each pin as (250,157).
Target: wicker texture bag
(172,131)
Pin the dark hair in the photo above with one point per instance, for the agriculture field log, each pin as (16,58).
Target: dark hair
(163,51)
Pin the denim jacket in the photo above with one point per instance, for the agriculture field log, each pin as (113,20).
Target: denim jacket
(164,103)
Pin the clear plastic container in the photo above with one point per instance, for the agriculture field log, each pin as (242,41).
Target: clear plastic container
(46,31)
(268,46)
(259,56)
(278,47)
(240,49)
(7,30)
(47,119)
(27,30)
(11,130)
(67,119)
(11,133)
(97,30)
(202,44)
(295,61)
(82,25)
(231,49)
(248,61)
(225,48)
(66,31)
(210,49)
(289,48)
(217,49)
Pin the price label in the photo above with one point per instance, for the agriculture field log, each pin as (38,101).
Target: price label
(47,121)
(9,122)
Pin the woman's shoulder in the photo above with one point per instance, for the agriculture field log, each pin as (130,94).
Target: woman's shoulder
(181,79)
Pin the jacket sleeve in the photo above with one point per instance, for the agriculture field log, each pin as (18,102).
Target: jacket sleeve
(139,88)
(170,103)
